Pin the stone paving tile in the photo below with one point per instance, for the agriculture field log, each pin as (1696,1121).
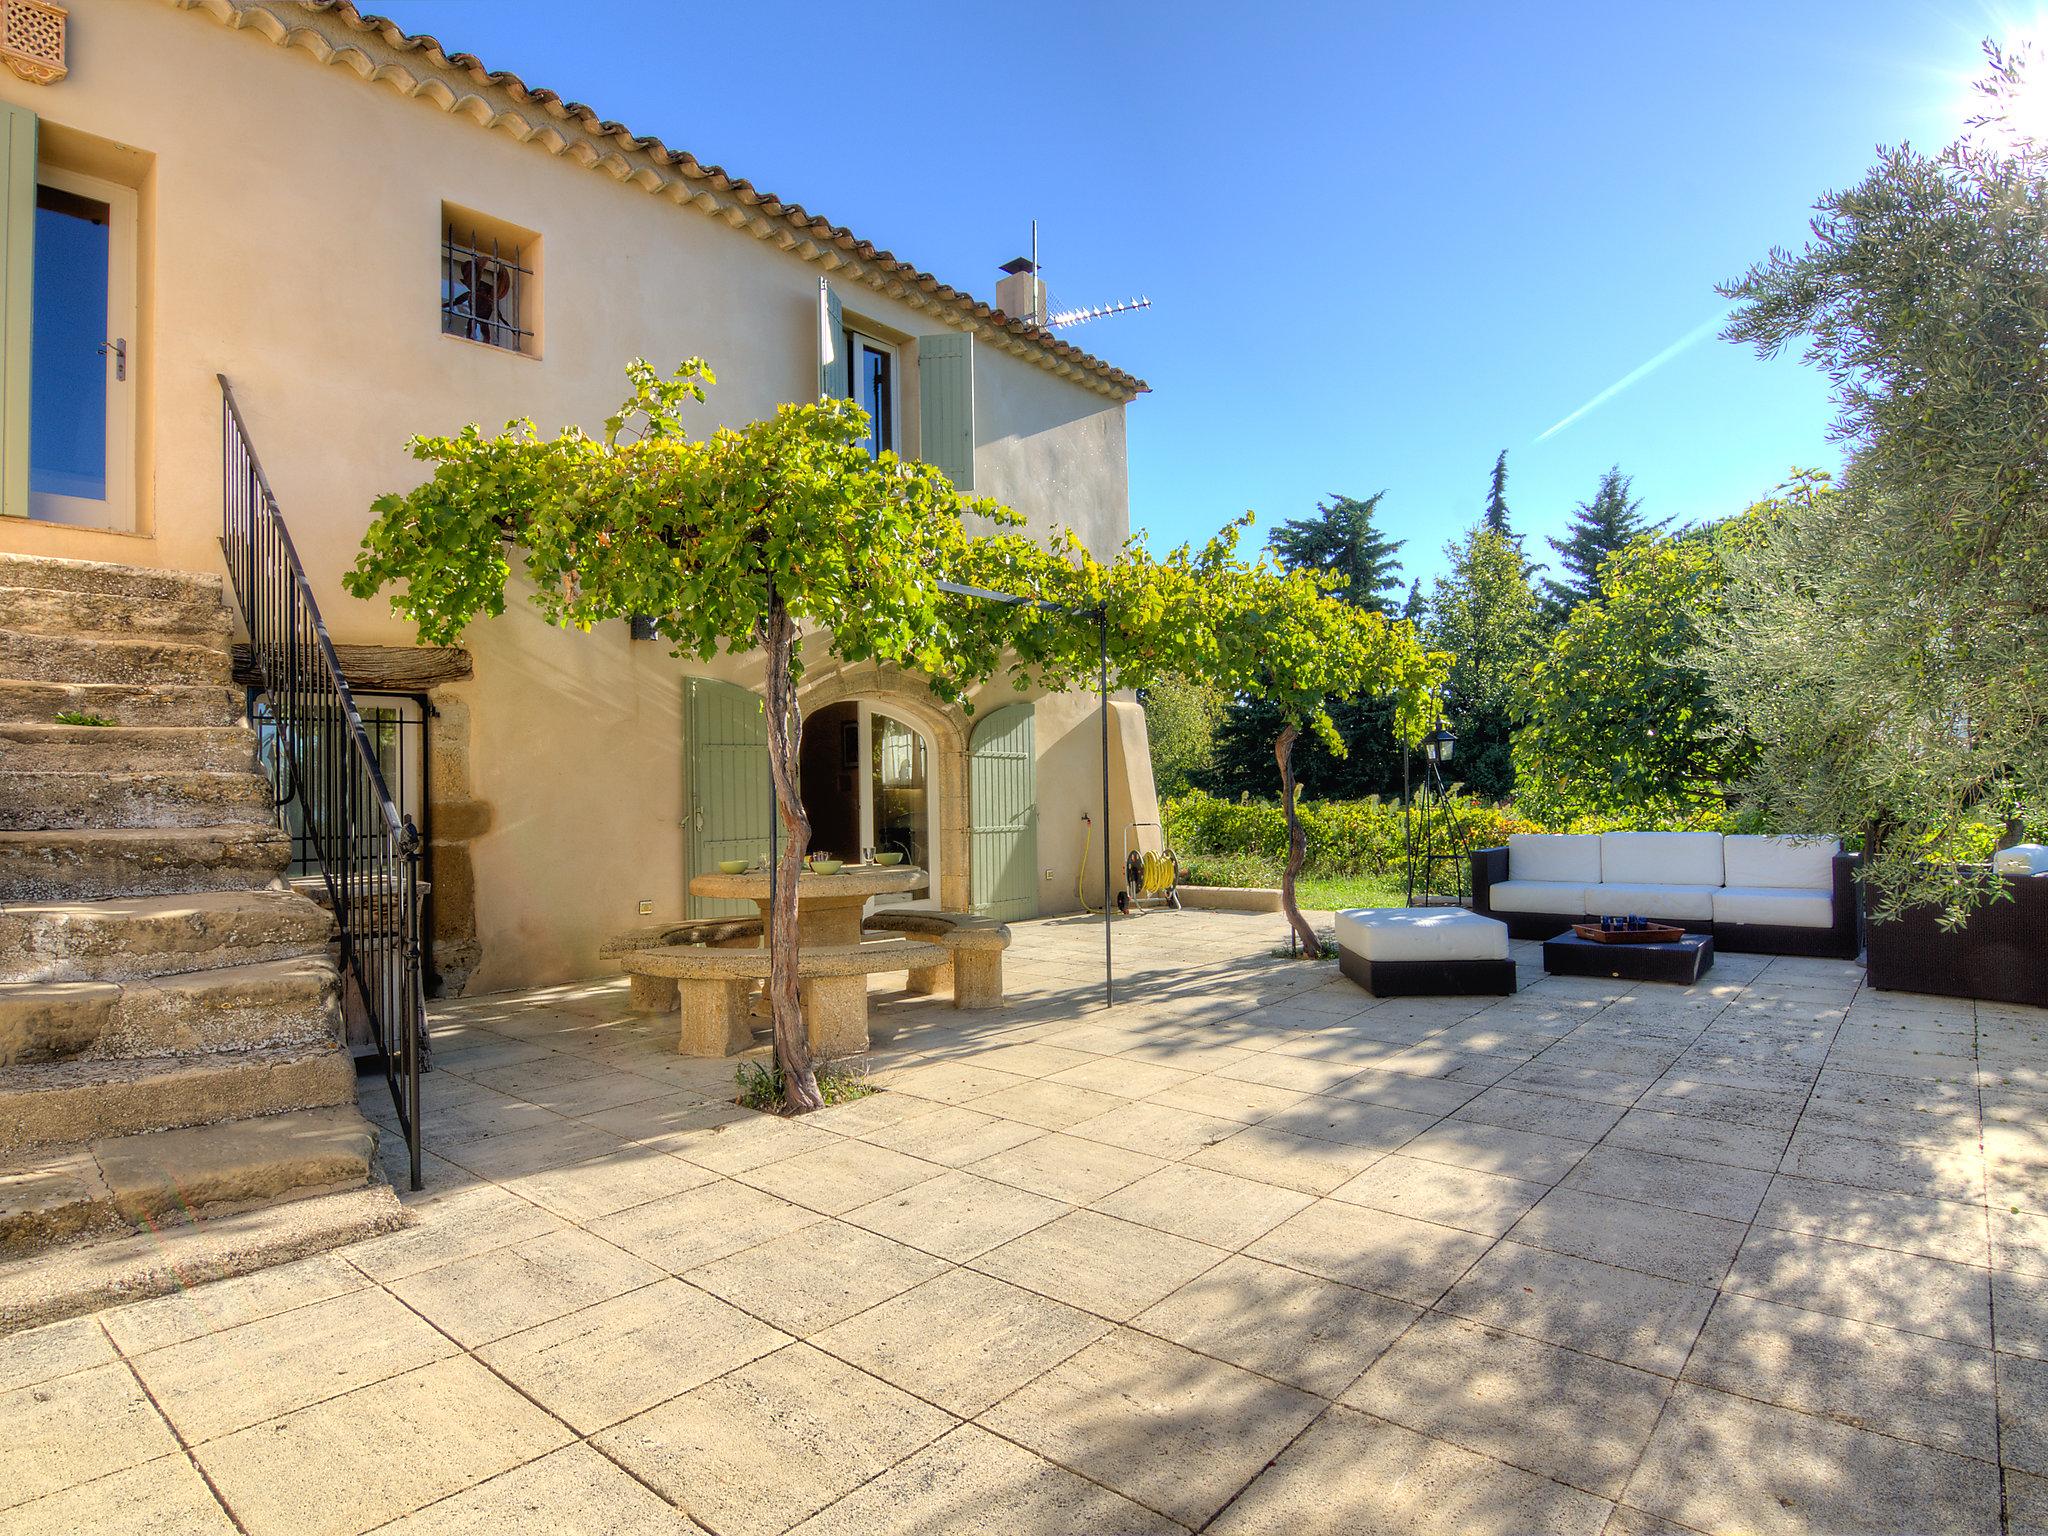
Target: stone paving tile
(1684,1184)
(1657,1240)
(221,1382)
(382,1451)
(1067,1168)
(1112,1268)
(78,1427)
(833,1180)
(467,1222)
(1397,1256)
(573,1489)
(1709,1141)
(682,1231)
(53,1350)
(1900,1384)
(1495,1149)
(1534,1405)
(2023,1412)
(224,1304)
(1306,1163)
(1442,1193)
(484,1298)
(1049,1106)
(817,1276)
(956,1215)
(1936,1229)
(1308,1332)
(1227,1097)
(1942,1173)
(971,1479)
(1157,1129)
(2019,1241)
(953,1137)
(2019,1306)
(1355,1475)
(756,1451)
(1621,1315)
(963,1340)
(1355,1122)
(1869,1285)
(1166,1428)
(1547,1114)
(608,1361)
(1722,1463)
(166,1495)
(738,1145)
(2026,1503)
(1199,1203)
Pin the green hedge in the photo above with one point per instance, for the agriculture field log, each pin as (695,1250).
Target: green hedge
(1365,837)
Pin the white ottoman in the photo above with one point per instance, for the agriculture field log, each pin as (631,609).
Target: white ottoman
(1424,952)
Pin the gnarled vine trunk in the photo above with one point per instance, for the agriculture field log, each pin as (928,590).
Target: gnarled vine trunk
(785,741)
(1297,844)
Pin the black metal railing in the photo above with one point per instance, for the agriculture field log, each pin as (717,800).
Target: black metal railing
(323,769)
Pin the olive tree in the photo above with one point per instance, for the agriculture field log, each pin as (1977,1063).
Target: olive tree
(779,537)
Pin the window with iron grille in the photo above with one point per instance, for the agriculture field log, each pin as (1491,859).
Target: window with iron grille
(489,283)
(397,727)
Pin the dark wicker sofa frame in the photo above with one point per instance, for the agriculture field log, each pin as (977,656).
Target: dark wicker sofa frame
(1998,955)
(1841,941)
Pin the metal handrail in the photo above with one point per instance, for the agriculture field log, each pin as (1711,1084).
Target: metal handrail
(368,852)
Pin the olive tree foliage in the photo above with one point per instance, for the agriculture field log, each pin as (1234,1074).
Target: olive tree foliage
(777,537)
(1486,615)
(1620,720)
(1889,636)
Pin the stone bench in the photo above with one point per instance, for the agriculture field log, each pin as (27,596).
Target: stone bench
(653,993)
(973,964)
(712,987)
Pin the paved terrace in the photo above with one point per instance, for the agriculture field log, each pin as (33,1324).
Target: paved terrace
(1253,1253)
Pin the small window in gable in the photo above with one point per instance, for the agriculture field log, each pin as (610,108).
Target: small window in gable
(490,281)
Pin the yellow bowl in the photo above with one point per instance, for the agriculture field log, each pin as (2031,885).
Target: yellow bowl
(888,858)
(826,866)
(733,866)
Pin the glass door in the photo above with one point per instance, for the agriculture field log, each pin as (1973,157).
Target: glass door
(82,359)
(898,816)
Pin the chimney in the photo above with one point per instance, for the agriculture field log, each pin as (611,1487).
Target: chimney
(1021,293)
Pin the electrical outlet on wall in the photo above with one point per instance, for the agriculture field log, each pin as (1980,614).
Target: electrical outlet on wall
(1048,874)
(647,909)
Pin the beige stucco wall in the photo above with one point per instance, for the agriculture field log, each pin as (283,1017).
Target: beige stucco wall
(291,241)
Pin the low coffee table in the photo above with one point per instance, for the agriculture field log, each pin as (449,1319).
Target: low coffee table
(1681,962)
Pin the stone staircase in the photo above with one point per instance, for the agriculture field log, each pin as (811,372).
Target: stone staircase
(170,1029)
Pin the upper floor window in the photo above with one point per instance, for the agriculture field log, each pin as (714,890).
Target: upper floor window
(490,282)
(871,384)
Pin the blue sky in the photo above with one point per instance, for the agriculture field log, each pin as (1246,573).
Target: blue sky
(1382,241)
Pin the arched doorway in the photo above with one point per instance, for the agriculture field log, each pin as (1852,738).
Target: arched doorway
(870,784)
(1003,793)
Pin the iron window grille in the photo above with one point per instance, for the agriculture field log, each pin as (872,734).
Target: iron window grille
(485,290)
(396,727)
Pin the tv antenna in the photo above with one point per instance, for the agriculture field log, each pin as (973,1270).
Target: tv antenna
(1028,287)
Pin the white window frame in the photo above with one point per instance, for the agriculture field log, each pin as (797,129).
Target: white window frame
(117,512)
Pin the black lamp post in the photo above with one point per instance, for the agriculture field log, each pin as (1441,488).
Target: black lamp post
(1438,745)
(1426,822)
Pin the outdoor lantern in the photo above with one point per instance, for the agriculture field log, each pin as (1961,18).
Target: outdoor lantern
(1437,745)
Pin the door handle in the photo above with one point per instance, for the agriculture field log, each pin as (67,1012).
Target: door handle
(118,347)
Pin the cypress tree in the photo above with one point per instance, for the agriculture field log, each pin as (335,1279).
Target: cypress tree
(1342,540)
(1496,516)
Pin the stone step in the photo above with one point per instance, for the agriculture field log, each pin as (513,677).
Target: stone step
(125,704)
(125,1181)
(144,936)
(229,1008)
(198,617)
(37,658)
(82,864)
(44,748)
(54,1103)
(154,798)
(105,576)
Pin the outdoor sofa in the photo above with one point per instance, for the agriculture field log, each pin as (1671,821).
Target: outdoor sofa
(1762,895)
(1998,955)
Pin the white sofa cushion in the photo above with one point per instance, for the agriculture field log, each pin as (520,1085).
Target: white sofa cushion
(1676,903)
(2021,859)
(1660,858)
(1562,896)
(1779,863)
(1775,906)
(1554,856)
(1421,933)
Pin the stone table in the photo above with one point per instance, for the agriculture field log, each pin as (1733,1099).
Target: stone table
(828,907)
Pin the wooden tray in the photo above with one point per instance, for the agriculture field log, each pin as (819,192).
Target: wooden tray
(1655,933)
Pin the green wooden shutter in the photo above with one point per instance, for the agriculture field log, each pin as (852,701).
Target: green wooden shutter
(945,404)
(831,344)
(1003,815)
(17,291)
(731,806)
